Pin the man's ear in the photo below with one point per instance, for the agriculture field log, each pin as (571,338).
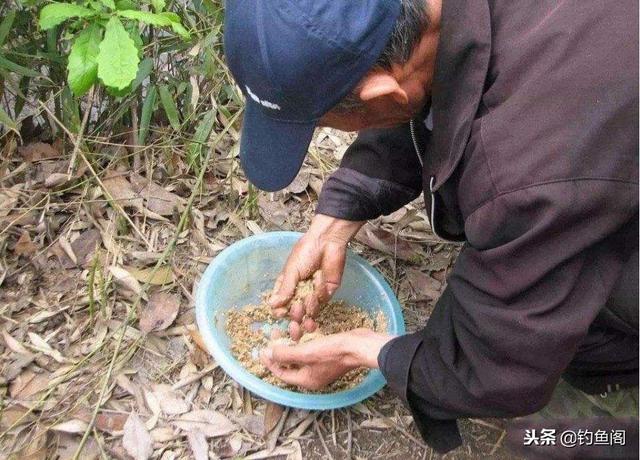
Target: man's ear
(382,84)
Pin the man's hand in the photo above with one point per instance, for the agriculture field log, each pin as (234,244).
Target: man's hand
(320,253)
(317,363)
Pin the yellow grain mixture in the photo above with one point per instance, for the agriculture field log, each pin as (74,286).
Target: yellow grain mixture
(249,328)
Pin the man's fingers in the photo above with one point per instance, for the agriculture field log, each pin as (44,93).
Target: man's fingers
(295,354)
(280,312)
(285,289)
(297,311)
(278,283)
(309,325)
(295,331)
(320,287)
(293,376)
(312,306)
(332,268)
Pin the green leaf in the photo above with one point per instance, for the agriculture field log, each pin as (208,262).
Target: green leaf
(176,24)
(169,107)
(5,25)
(173,17)
(22,95)
(125,5)
(83,60)
(134,33)
(180,30)
(203,130)
(166,19)
(118,56)
(109,4)
(70,110)
(158,5)
(147,110)
(17,68)
(146,17)
(7,122)
(56,13)
(144,70)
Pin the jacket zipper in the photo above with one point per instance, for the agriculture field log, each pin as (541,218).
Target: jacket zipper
(414,138)
(412,129)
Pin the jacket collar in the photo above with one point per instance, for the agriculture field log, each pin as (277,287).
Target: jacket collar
(462,62)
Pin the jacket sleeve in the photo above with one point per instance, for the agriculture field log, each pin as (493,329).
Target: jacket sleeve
(380,173)
(538,266)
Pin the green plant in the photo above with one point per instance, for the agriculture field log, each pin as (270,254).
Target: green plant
(106,42)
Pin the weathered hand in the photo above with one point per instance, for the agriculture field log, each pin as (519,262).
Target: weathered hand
(317,363)
(320,254)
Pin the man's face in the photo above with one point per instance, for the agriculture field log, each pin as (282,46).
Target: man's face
(390,97)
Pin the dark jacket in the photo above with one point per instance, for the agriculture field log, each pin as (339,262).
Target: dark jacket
(533,163)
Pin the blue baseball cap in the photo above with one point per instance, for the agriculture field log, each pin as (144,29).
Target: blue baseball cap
(294,60)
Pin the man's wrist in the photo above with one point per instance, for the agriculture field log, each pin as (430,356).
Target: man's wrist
(368,346)
(334,229)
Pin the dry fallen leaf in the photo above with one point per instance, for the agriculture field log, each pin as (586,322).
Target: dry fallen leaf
(271,438)
(136,439)
(68,250)
(38,151)
(235,443)
(28,384)
(67,446)
(157,277)
(24,246)
(170,400)
(154,405)
(157,198)
(83,247)
(13,344)
(198,340)
(300,183)
(160,312)
(72,426)
(272,414)
(54,180)
(16,366)
(253,226)
(254,424)
(388,243)
(210,423)
(121,191)
(198,443)
(14,414)
(274,212)
(376,424)
(163,434)
(422,284)
(125,279)
(111,422)
(42,346)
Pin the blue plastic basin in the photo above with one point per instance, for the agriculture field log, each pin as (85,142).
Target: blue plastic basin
(244,270)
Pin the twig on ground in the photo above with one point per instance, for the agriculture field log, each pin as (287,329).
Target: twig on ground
(103,390)
(498,443)
(320,437)
(78,138)
(195,377)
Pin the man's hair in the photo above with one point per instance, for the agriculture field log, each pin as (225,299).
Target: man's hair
(407,32)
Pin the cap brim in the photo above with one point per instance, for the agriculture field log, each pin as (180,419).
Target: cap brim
(272,151)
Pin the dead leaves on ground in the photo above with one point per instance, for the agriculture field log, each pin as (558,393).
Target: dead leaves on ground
(160,312)
(80,257)
(136,439)
(145,196)
(390,243)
